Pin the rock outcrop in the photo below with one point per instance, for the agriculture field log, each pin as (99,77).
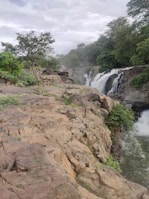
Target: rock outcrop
(54,145)
(138,99)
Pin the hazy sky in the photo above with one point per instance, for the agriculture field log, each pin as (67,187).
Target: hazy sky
(70,21)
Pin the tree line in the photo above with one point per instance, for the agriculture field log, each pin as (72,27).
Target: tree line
(21,61)
(123,44)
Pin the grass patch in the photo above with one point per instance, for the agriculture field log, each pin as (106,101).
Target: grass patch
(38,90)
(67,101)
(8,100)
(113,164)
(26,78)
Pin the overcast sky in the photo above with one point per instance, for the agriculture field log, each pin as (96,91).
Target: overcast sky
(70,21)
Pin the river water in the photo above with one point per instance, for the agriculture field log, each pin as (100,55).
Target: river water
(135,151)
(135,146)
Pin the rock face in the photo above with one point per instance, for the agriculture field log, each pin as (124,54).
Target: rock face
(54,145)
(138,99)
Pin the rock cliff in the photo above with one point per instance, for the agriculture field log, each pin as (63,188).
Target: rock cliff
(138,99)
(54,145)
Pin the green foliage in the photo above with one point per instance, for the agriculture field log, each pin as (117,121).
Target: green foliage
(9,64)
(120,118)
(8,77)
(26,78)
(141,79)
(142,52)
(67,100)
(139,9)
(8,100)
(113,164)
(9,48)
(51,64)
(31,45)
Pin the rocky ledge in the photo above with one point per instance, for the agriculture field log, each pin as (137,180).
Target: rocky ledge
(137,99)
(54,145)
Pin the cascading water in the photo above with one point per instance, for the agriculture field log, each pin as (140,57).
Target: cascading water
(88,78)
(135,151)
(135,146)
(108,82)
(99,82)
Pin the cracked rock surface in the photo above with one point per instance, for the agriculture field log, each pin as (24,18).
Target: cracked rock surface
(54,145)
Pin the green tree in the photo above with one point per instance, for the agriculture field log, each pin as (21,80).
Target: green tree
(10,64)
(51,64)
(7,47)
(142,53)
(33,49)
(30,46)
(125,45)
(139,9)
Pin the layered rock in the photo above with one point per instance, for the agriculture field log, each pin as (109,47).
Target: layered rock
(138,99)
(55,143)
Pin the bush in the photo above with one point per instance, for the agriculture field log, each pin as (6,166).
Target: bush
(8,100)
(26,78)
(120,118)
(9,64)
(113,164)
(141,79)
(8,76)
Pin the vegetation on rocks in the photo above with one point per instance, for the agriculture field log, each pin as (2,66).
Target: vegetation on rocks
(120,118)
(19,63)
(139,80)
(8,100)
(113,164)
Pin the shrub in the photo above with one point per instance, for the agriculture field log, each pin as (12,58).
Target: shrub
(141,79)
(67,100)
(8,76)
(113,164)
(8,100)
(26,78)
(120,118)
(10,64)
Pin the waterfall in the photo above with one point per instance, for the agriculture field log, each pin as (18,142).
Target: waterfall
(109,82)
(116,83)
(135,148)
(88,78)
(100,80)
(141,127)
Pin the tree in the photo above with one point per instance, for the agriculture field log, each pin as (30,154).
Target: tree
(33,48)
(110,42)
(30,46)
(8,63)
(142,53)
(51,64)
(125,44)
(9,48)
(139,9)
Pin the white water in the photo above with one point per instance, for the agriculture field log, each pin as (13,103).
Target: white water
(117,81)
(141,127)
(88,78)
(135,148)
(100,80)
